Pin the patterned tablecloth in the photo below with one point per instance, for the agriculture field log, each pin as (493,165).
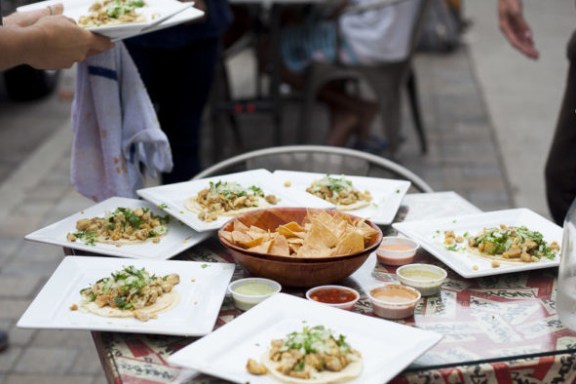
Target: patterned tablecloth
(498,329)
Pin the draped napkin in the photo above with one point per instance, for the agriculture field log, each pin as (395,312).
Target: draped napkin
(117,136)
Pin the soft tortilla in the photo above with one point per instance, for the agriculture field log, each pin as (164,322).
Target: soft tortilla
(192,205)
(352,207)
(352,370)
(163,304)
(105,240)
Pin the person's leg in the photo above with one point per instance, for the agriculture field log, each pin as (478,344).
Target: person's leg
(178,82)
(560,171)
(3,340)
(349,115)
(188,76)
(342,126)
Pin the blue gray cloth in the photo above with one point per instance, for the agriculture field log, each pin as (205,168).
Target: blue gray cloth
(116,132)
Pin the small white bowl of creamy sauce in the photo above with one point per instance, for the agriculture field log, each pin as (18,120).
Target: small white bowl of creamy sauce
(396,250)
(394,300)
(250,291)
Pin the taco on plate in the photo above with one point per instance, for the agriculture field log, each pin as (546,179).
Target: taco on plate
(312,356)
(113,12)
(505,243)
(131,292)
(340,192)
(227,198)
(123,226)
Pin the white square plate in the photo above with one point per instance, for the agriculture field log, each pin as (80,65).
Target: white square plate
(178,238)
(172,196)
(435,205)
(155,11)
(430,234)
(188,14)
(386,347)
(201,289)
(387,194)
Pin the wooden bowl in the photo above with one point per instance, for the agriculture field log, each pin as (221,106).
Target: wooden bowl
(295,271)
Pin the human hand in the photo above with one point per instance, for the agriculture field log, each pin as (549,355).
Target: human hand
(27,18)
(515,28)
(60,43)
(200,4)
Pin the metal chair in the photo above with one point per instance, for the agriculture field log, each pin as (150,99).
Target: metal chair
(317,158)
(386,79)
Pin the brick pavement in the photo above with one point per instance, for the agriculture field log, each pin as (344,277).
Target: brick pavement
(464,157)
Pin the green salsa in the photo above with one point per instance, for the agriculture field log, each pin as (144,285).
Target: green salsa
(254,289)
(421,275)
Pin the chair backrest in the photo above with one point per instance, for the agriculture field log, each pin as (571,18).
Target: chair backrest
(317,158)
(418,22)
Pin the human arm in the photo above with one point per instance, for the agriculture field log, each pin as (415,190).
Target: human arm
(46,41)
(515,28)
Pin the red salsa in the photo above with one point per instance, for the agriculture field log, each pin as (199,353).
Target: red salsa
(333,295)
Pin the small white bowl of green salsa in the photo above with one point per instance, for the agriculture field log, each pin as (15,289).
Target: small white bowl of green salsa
(250,291)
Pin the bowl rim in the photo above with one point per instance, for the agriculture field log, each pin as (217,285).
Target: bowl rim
(336,286)
(424,266)
(237,248)
(394,305)
(273,283)
(415,245)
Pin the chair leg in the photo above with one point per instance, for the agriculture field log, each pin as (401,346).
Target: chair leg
(232,120)
(221,103)
(391,119)
(307,108)
(412,85)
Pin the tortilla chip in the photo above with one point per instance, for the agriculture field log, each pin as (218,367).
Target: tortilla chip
(237,225)
(351,242)
(291,229)
(227,235)
(311,251)
(340,228)
(280,246)
(256,230)
(262,248)
(241,238)
(365,229)
(320,234)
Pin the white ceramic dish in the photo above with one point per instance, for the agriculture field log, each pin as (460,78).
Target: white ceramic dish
(188,14)
(427,278)
(394,300)
(396,250)
(245,300)
(173,196)
(386,194)
(224,352)
(201,289)
(430,234)
(316,295)
(156,12)
(178,238)
(436,205)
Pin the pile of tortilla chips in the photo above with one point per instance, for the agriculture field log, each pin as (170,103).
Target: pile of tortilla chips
(321,235)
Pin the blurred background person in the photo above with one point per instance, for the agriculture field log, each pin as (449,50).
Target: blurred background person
(177,66)
(337,33)
(560,169)
(45,39)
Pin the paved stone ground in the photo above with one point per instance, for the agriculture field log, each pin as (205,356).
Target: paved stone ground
(464,157)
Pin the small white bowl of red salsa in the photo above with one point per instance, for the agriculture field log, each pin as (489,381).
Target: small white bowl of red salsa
(337,296)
